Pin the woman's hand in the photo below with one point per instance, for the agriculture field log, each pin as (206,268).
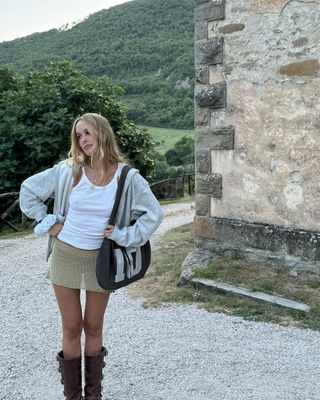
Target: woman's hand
(108,231)
(55,229)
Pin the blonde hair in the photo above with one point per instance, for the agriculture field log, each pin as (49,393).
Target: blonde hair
(106,152)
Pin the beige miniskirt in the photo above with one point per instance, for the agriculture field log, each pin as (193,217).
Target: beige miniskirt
(73,268)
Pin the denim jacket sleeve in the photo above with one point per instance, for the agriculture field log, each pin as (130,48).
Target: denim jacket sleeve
(35,191)
(145,210)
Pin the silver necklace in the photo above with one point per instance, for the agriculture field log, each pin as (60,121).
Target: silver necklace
(93,180)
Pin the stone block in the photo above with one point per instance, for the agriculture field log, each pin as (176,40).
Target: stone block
(202,205)
(301,68)
(201,30)
(209,184)
(243,235)
(212,96)
(207,11)
(202,162)
(221,138)
(202,75)
(209,52)
(202,116)
(215,75)
(231,28)
(196,259)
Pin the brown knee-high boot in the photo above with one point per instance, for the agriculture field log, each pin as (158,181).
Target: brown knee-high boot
(70,377)
(93,375)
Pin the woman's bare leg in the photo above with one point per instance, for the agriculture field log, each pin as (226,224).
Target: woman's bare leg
(72,322)
(96,303)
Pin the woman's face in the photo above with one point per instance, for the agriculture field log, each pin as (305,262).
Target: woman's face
(87,141)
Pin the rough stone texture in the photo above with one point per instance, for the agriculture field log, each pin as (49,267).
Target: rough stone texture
(301,68)
(202,75)
(215,75)
(201,31)
(231,28)
(269,40)
(202,116)
(202,205)
(168,189)
(270,175)
(276,6)
(212,96)
(209,12)
(209,52)
(242,234)
(209,184)
(195,259)
(202,162)
(215,138)
(257,255)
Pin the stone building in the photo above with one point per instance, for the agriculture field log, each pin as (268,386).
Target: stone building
(257,117)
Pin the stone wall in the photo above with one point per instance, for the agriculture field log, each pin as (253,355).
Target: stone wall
(172,188)
(257,117)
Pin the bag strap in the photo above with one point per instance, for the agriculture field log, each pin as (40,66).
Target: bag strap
(121,182)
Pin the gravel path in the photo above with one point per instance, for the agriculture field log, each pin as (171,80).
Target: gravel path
(175,352)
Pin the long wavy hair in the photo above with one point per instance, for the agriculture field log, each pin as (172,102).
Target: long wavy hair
(106,151)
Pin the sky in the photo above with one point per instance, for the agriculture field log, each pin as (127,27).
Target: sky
(20,18)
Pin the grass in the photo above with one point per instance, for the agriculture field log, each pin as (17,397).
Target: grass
(165,138)
(185,199)
(159,285)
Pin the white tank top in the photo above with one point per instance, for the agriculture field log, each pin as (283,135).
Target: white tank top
(89,212)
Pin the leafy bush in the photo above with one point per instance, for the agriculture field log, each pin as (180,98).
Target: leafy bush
(36,114)
(182,152)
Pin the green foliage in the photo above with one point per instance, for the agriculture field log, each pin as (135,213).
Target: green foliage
(162,170)
(7,79)
(165,138)
(182,152)
(36,114)
(145,46)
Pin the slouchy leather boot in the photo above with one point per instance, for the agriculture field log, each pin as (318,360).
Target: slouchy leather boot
(70,377)
(93,375)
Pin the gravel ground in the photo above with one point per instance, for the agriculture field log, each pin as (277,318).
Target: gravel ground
(175,352)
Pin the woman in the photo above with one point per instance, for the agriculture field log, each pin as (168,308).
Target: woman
(84,188)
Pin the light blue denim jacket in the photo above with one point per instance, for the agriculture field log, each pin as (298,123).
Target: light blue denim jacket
(137,203)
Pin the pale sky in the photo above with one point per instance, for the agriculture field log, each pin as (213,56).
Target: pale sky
(20,18)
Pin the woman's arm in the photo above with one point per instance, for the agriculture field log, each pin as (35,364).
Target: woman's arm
(145,209)
(35,191)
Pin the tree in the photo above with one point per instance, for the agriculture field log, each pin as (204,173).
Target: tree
(36,117)
(182,153)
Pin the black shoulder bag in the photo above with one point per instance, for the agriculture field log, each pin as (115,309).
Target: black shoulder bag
(118,266)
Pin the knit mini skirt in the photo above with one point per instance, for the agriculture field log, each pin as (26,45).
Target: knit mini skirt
(73,268)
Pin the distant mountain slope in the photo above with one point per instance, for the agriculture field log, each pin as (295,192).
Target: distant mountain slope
(144,45)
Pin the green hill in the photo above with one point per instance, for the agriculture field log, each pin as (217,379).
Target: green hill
(146,46)
(165,139)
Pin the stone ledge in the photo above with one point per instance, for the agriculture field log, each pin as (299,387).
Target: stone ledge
(225,287)
(242,235)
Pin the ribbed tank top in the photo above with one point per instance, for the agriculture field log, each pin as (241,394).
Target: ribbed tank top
(89,212)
